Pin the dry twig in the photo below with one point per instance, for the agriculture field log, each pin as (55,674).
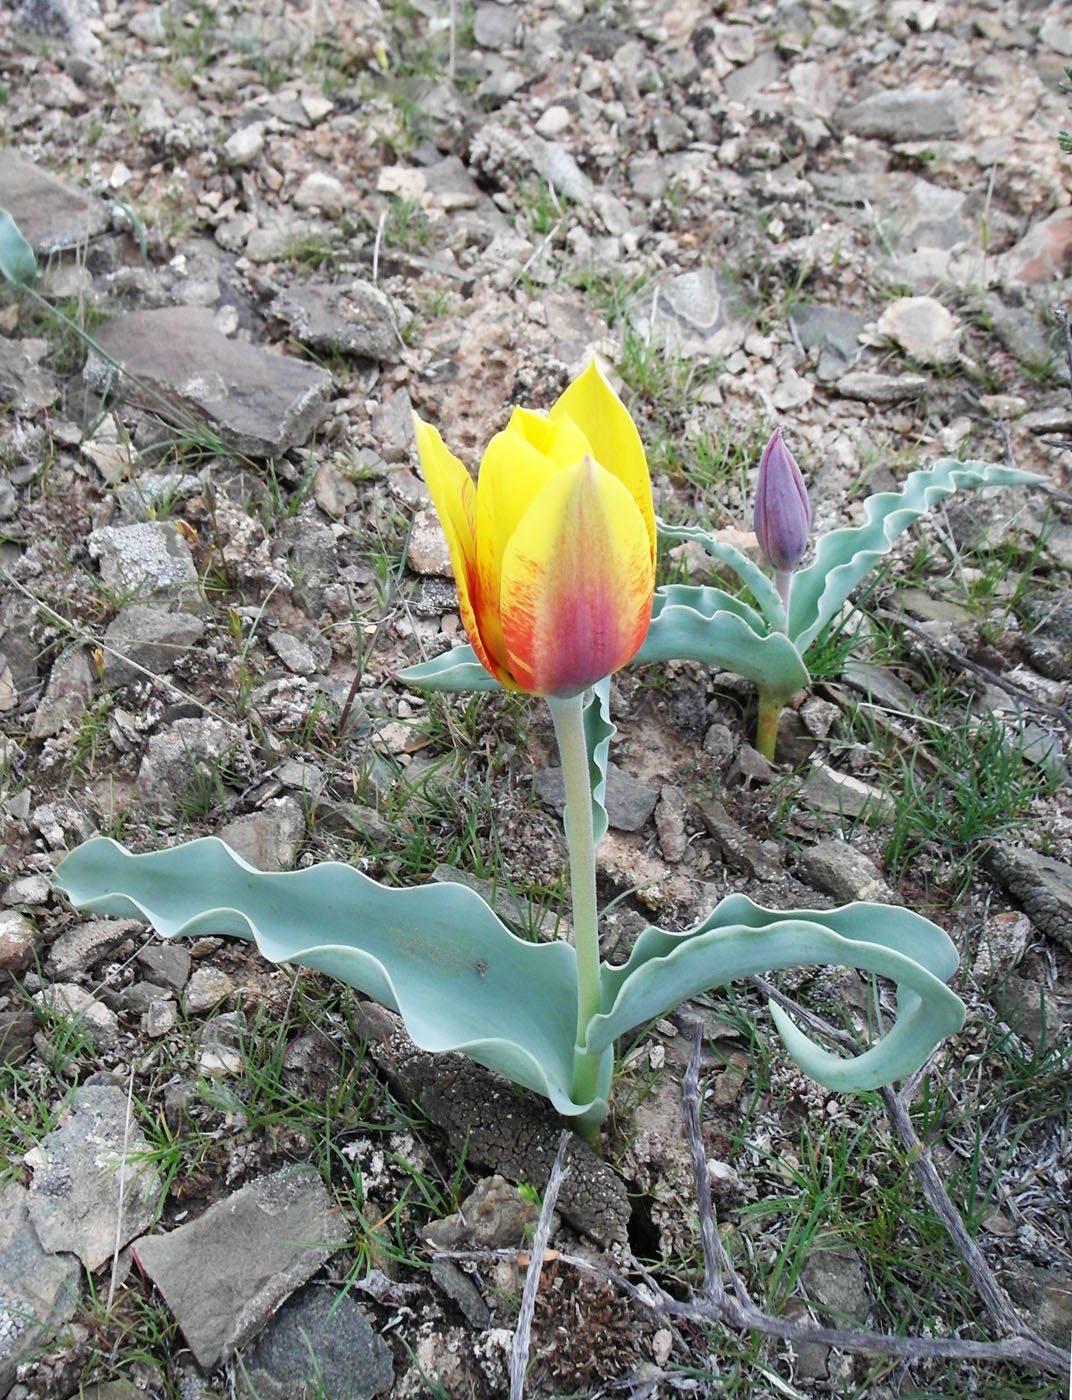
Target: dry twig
(519,1351)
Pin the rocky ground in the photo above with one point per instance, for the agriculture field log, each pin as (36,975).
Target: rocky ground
(292,225)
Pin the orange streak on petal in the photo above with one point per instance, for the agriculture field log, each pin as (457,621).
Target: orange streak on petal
(455,500)
(577,583)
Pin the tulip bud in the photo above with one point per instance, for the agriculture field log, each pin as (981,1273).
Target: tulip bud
(782,514)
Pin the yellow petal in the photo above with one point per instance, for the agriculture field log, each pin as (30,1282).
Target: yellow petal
(512,472)
(560,439)
(454,497)
(577,582)
(602,417)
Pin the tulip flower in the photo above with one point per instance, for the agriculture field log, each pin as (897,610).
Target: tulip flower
(554,557)
(554,547)
(782,515)
(782,518)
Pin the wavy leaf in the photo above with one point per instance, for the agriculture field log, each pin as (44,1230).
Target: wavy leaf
(599,730)
(17,261)
(457,669)
(435,953)
(741,939)
(843,557)
(695,624)
(750,574)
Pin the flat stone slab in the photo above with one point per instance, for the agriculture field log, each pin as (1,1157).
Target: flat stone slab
(90,1194)
(1041,884)
(51,214)
(353,319)
(320,1342)
(150,559)
(152,638)
(260,403)
(38,1291)
(226,1273)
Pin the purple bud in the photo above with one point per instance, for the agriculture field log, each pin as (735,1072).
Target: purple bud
(782,514)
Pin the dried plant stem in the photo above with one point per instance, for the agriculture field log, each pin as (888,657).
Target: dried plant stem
(519,1351)
(739,1312)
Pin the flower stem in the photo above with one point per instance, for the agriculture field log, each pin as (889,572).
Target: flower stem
(568,716)
(783,582)
(770,712)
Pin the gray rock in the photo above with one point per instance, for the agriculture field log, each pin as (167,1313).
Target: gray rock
(226,1273)
(28,889)
(872,387)
(392,424)
(648,177)
(314,564)
(245,145)
(840,870)
(150,559)
(352,318)
(1020,330)
(160,1016)
(39,1291)
(670,823)
(1045,1295)
(1002,944)
(844,795)
(304,655)
(260,403)
(1049,644)
(923,328)
(1028,1008)
(836,1279)
(166,963)
(70,684)
(321,1341)
(90,1193)
(17,1032)
(493,1216)
(741,851)
(220,1046)
(1042,885)
(270,838)
(496,26)
(74,1005)
(427,552)
(207,987)
(180,760)
(1043,255)
(461,1289)
(86,943)
(745,82)
(323,192)
(17,939)
(630,803)
(152,637)
(24,385)
(908,114)
(697,313)
(51,214)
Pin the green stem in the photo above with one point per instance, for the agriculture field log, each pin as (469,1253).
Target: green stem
(568,716)
(770,712)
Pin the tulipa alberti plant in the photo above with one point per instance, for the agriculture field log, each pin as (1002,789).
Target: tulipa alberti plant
(553,551)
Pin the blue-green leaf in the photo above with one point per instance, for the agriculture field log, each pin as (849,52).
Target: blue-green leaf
(741,939)
(750,574)
(843,557)
(457,669)
(435,953)
(599,730)
(17,261)
(705,624)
